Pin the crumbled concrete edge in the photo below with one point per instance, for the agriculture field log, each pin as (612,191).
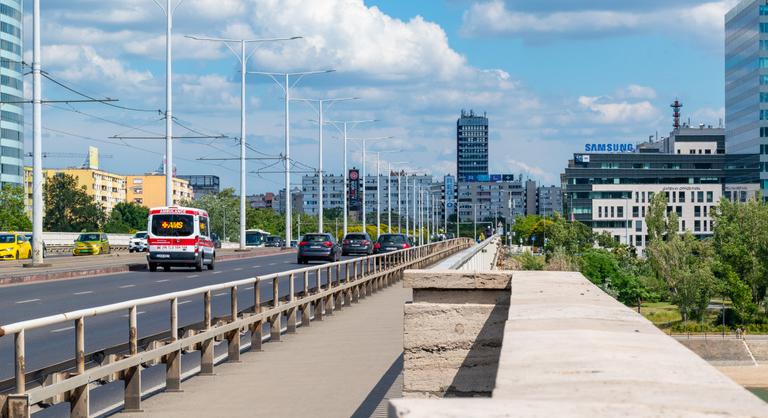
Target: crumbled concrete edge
(452,279)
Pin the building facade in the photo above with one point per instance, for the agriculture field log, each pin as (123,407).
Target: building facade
(333,192)
(746,83)
(11,90)
(530,200)
(203,184)
(149,190)
(471,146)
(612,192)
(105,188)
(261,201)
(549,199)
(501,200)
(297,201)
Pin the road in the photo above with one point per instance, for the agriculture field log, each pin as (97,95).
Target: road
(54,344)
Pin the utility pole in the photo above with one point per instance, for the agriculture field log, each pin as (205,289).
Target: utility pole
(37,141)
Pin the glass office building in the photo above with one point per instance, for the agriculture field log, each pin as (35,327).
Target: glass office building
(471,146)
(11,90)
(746,83)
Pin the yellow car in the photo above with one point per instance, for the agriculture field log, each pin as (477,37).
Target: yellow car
(14,246)
(91,243)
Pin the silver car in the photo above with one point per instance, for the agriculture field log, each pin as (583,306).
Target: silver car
(138,243)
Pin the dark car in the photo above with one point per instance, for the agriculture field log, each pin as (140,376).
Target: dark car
(216,240)
(391,242)
(318,247)
(274,241)
(357,243)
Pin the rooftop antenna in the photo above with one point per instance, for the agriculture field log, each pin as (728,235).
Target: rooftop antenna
(676,106)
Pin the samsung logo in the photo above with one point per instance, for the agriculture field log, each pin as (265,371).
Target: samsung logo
(609,148)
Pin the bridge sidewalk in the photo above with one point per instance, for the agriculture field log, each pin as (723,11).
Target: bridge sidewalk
(339,367)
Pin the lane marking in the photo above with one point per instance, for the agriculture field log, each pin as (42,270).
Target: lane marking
(249,288)
(218,272)
(272,264)
(62,329)
(184,301)
(192,276)
(27,301)
(238,269)
(256,266)
(221,294)
(162,281)
(87,292)
(137,314)
(127,286)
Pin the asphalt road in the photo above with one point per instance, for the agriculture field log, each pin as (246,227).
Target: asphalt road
(54,344)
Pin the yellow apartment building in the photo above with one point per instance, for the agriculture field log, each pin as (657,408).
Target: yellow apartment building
(106,188)
(149,190)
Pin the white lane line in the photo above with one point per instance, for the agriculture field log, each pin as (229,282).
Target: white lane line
(221,294)
(249,288)
(287,262)
(192,276)
(184,301)
(272,264)
(27,301)
(61,329)
(87,292)
(137,314)
(217,272)
(238,269)
(127,286)
(256,266)
(162,281)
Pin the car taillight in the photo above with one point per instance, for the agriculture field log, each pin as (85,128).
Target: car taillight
(346,241)
(303,243)
(328,244)
(377,246)
(406,246)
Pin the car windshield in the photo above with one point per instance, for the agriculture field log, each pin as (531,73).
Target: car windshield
(392,239)
(356,236)
(273,239)
(140,235)
(89,237)
(316,238)
(7,239)
(254,238)
(173,225)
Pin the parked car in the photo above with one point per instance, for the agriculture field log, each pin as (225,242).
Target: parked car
(31,242)
(294,243)
(14,246)
(318,247)
(274,241)
(216,240)
(138,242)
(358,243)
(91,243)
(391,242)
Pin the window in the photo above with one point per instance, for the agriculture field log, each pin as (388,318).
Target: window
(699,197)
(638,226)
(681,197)
(679,211)
(706,208)
(599,211)
(639,240)
(683,225)
(203,226)
(697,211)
(710,197)
(697,226)
(620,212)
(764,27)
(635,212)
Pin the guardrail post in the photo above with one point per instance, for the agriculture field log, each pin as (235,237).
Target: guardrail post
(132,395)
(257,327)
(206,356)
(305,308)
(275,320)
(173,360)
(20,363)
(233,340)
(18,406)
(292,298)
(78,398)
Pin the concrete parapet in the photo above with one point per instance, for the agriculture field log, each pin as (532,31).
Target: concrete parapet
(567,348)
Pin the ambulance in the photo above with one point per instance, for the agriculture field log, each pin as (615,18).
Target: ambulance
(179,237)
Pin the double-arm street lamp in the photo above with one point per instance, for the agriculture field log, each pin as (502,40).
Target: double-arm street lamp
(365,141)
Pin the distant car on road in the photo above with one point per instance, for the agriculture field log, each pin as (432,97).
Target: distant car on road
(14,246)
(391,242)
(294,243)
(274,241)
(357,243)
(216,240)
(318,247)
(138,242)
(91,243)
(31,242)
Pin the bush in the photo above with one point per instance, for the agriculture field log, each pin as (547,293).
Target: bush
(561,261)
(528,261)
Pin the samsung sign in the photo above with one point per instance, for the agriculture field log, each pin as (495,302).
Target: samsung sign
(609,148)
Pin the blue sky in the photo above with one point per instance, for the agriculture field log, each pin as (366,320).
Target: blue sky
(552,75)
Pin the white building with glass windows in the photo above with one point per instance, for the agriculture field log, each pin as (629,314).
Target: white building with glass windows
(11,90)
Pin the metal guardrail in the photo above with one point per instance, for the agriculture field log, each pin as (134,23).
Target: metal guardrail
(362,277)
(67,249)
(475,259)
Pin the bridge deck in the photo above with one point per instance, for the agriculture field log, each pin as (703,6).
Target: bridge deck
(340,367)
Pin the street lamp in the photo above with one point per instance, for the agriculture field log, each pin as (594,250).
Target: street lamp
(243,58)
(365,140)
(389,196)
(346,171)
(286,86)
(320,124)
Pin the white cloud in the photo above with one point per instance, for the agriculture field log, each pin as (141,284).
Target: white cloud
(634,91)
(603,110)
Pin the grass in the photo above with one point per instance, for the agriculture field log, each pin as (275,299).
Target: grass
(661,314)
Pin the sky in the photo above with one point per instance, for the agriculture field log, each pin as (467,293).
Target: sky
(551,75)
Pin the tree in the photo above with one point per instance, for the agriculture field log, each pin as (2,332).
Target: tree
(69,208)
(127,217)
(12,213)
(223,212)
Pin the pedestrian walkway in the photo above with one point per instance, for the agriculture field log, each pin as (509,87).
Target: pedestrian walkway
(343,366)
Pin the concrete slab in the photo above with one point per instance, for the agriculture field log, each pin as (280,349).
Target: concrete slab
(326,370)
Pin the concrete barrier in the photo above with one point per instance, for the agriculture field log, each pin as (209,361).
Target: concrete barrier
(567,348)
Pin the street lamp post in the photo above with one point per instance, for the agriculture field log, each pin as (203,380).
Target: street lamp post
(286,86)
(37,140)
(365,140)
(389,197)
(243,58)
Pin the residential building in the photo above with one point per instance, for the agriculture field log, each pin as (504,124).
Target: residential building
(104,187)
(149,190)
(297,201)
(612,192)
(333,192)
(261,201)
(746,78)
(471,145)
(203,184)
(502,199)
(405,183)
(11,94)
(549,199)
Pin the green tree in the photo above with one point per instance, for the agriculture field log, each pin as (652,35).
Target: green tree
(12,213)
(600,267)
(127,217)
(223,213)
(69,208)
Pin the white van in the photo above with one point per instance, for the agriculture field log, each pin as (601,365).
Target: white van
(179,237)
